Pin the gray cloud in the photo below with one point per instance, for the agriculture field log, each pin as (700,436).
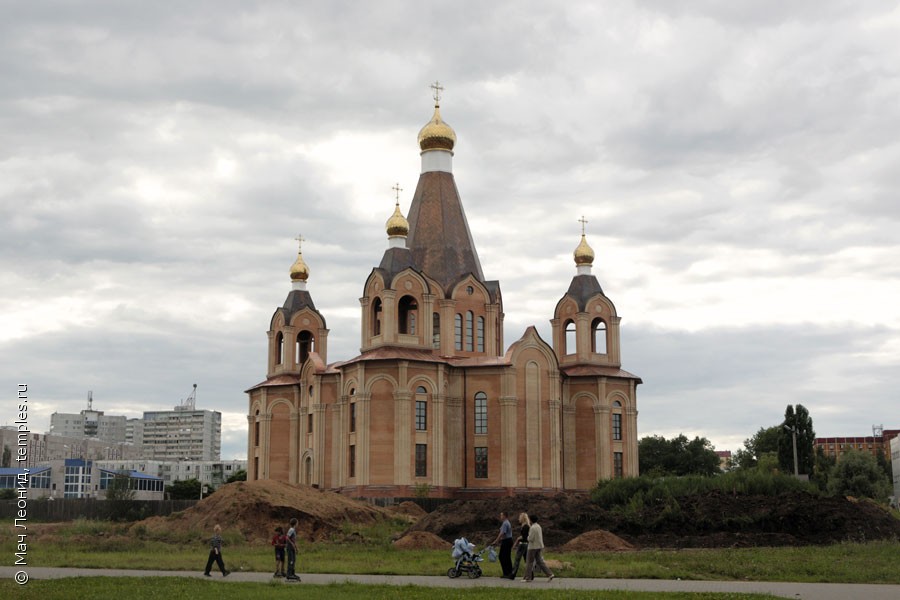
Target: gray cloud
(156,165)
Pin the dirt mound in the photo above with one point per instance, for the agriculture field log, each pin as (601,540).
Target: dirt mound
(255,508)
(713,520)
(408,509)
(478,519)
(596,541)
(421,540)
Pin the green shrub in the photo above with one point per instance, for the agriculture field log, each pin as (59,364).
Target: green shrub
(637,493)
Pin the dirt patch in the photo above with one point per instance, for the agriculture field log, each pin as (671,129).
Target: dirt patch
(409,509)
(421,540)
(712,520)
(596,541)
(558,565)
(255,508)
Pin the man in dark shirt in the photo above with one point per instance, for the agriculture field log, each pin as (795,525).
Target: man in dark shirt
(504,538)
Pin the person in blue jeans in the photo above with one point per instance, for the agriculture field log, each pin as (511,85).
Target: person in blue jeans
(215,553)
(291,548)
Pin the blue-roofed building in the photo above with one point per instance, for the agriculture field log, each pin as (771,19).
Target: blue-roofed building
(79,478)
(145,487)
(38,480)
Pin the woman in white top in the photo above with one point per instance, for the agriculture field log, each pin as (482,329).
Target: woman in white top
(535,553)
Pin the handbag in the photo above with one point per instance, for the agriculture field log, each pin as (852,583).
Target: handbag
(492,554)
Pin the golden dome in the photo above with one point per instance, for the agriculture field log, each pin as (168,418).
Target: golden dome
(299,270)
(584,254)
(397,224)
(436,134)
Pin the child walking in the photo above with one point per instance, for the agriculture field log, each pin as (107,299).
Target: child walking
(292,552)
(215,553)
(279,540)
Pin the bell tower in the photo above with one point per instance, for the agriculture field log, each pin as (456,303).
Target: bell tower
(585,324)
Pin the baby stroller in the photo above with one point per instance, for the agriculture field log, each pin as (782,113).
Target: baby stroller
(466,560)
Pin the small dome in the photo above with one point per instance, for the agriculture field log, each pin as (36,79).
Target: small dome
(397,224)
(584,254)
(299,270)
(437,135)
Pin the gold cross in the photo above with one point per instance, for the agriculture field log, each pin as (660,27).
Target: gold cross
(300,241)
(397,189)
(582,220)
(436,86)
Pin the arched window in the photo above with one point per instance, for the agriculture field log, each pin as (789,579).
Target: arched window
(376,316)
(305,345)
(470,331)
(480,413)
(617,420)
(406,315)
(436,331)
(570,347)
(458,331)
(480,334)
(279,348)
(352,410)
(598,336)
(256,430)
(308,470)
(421,409)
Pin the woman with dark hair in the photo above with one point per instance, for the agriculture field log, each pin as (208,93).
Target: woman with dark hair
(536,552)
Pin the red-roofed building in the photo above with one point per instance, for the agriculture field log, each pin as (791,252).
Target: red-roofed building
(873,444)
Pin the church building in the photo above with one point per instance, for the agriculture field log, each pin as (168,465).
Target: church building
(435,403)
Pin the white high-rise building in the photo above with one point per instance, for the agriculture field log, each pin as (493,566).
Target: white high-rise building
(89,424)
(182,434)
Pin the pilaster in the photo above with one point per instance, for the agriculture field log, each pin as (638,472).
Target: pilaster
(508,441)
(555,408)
(389,316)
(570,445)
(402,437)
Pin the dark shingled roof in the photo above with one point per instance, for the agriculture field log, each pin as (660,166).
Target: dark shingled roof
(394,261)
(595,370)
(582,289)
(296,301)
(439,236)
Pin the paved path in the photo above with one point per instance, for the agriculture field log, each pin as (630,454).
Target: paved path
(803,591)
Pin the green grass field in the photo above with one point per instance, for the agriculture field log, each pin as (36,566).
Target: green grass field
(93,544)
(167,588)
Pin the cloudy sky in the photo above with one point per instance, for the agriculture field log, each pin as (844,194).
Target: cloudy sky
(738,164)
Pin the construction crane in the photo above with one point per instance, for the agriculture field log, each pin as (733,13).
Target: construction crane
(188,403)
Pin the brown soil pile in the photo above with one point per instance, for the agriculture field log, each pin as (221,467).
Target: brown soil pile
(712,520)
(255,508)
(421,540)
(596,541)
(408,509)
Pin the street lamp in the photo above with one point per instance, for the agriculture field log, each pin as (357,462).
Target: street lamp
(793,430)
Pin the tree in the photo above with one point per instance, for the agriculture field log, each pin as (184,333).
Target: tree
(824,467)
(120,498)
(884,464)
(119,489)
(796,419)
(678,456)
(763,441)
(184,489)
(238,476)
(858,474)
